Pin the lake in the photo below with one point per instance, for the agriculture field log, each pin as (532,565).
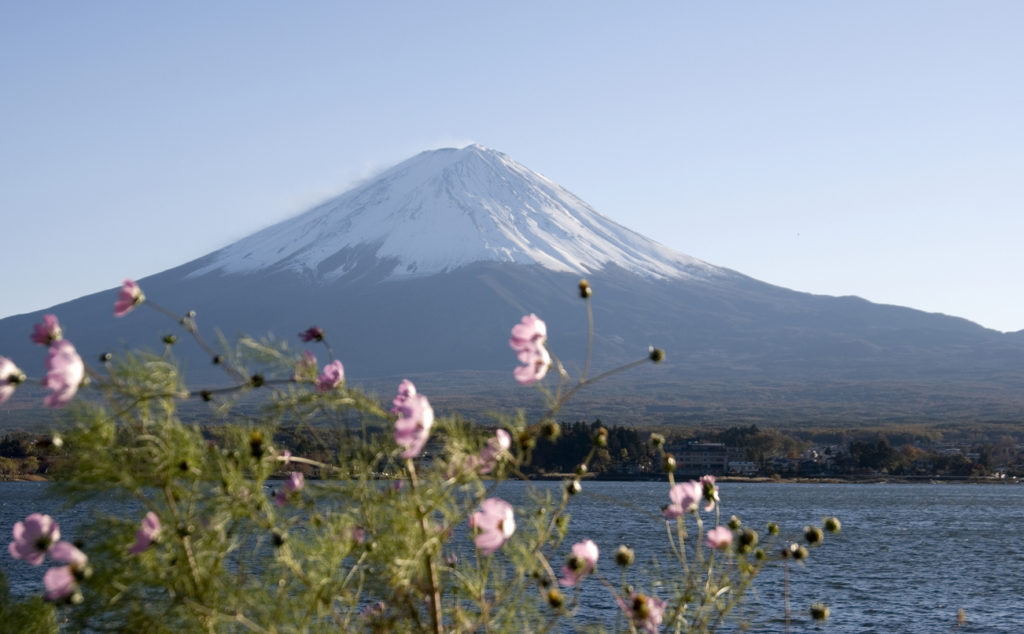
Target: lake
(908,558)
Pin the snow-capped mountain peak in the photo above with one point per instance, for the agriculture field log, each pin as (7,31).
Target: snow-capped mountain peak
(443,209)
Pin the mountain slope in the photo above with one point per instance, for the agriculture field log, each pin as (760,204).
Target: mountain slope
(444,209)
(423,270)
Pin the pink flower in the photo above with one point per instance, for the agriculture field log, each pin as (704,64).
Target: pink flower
(33,538)
(415,418)
(684,496)
(494,523)
(405,390)
(580,563)
(47,332)
(10,377)
(718,537)
(535,363)
(147,534)
(62,581)
(645,612)
(496,445)
(528,337)
(128,298)
(530,329)
(709,491)
(331,377)
(305,369)
(68,553)
(64,373)
(313,333)
(291,486)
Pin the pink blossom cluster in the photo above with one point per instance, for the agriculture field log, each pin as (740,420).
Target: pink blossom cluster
(528,339)
(38,536)
(331,376)
(65,370)
(415,418)
(643,611)
(295,482)
(487,460)
(686,496)
(493,524)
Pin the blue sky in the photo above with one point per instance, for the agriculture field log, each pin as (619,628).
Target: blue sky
(870,148)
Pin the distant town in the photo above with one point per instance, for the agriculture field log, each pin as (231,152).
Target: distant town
(741,452)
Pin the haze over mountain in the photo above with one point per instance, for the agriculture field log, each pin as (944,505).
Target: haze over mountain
(423,270)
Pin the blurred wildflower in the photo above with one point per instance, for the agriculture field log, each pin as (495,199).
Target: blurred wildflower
(527,340)
(291,486)
(64,373)
(719,537)
(494,523)
(496,446)
(128,298)
(147,534)
(415,418)
(645,612)
(684,496)
(48,331)
(580,563)
(33,538)
(709,491)
(331,376)
(10,377)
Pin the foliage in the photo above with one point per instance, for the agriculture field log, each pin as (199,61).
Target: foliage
(221,531)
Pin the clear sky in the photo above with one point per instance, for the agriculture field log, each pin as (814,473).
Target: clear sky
(871,148)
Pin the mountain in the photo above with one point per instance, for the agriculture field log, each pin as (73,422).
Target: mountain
(423,270)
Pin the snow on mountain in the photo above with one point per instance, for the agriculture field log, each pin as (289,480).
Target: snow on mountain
(444,209)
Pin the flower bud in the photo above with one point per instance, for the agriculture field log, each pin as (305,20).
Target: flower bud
(581,469)
(106,357)
(832,524)
(760,555)
(170,340)
(256,444)
(205,395)
(551,430)
(657,440)
(278,537)
(746,540)
(585,291)
(555,599)
(796,551)
(601,437)
(217,359)
(656,354)
(734,522)
(527,441)
(624,556)
(813,534)
(573,486)
(819,612)
(773,528)
(256,380)
(668,463)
